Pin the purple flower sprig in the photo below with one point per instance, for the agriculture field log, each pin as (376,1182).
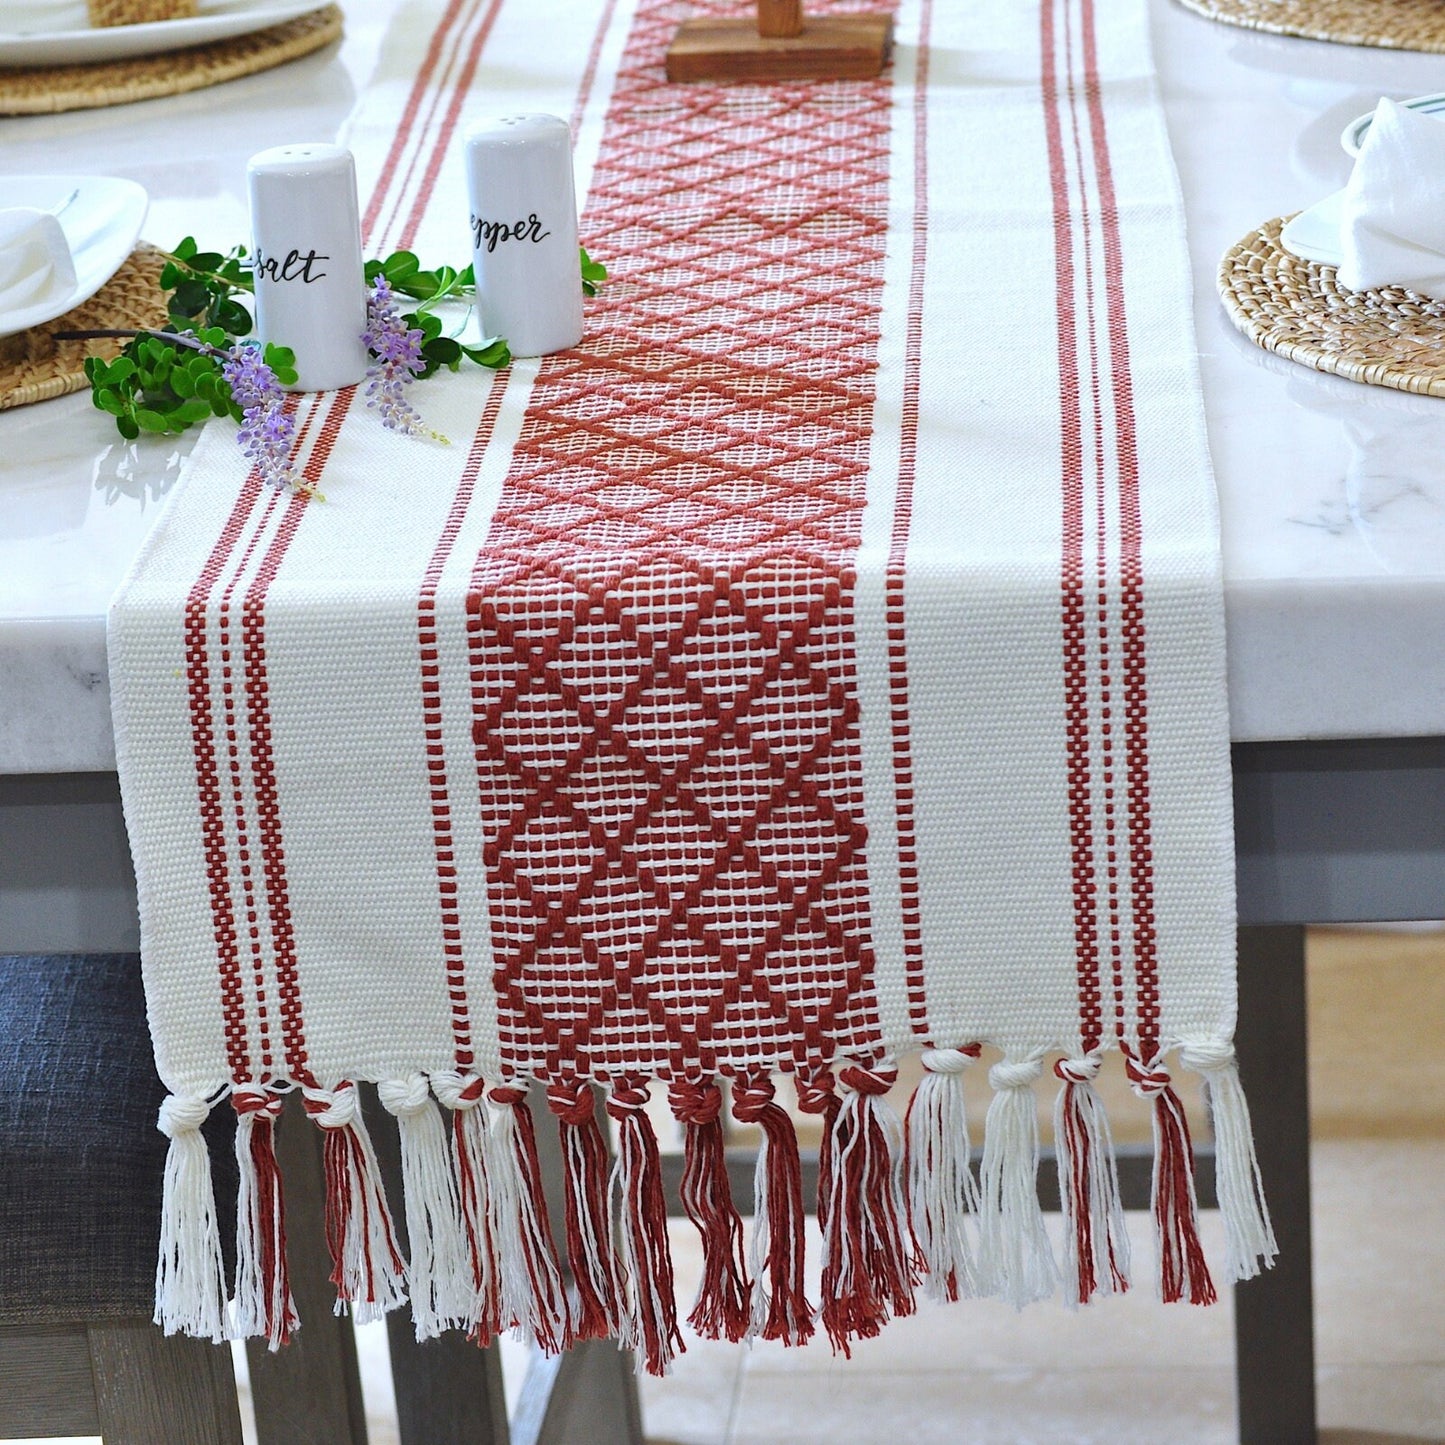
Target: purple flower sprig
(268,429)
(396,347)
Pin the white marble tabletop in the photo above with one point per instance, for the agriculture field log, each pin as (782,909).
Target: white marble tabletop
(1332,494)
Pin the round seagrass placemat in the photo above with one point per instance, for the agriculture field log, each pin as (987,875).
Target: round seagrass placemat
(1394,24)
(42,90)
(34,366)
(1390,337)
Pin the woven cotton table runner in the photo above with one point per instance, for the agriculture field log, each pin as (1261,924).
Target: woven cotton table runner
(822,662)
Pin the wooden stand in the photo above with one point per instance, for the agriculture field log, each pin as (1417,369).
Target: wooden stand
(784,44)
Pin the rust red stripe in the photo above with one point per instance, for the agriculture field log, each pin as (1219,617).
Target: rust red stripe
(908,883)
(1131,579)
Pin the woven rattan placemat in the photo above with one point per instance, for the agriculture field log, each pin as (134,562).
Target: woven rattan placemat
(40,90)
(1390,337)
(35,367)
(1394,24)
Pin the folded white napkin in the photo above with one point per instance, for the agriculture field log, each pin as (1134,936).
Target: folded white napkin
(35,260)
(1393,227)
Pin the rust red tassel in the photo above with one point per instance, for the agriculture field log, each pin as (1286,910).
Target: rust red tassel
(1096,1241)
(869,1264)
(533,1296)
(1183,1271)
(264,1305)
(817,1095)
(721,1308)
(596,1274)
(780,1308)
(652,1329)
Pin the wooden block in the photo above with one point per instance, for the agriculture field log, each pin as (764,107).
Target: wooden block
(843,47)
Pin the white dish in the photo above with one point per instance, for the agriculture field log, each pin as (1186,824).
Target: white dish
(1354,133)
(1314,234)
(101,217)
(56,32)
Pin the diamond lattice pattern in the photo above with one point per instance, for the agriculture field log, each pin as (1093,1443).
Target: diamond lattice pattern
(661,618)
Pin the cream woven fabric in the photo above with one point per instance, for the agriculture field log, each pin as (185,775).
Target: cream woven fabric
(823,661)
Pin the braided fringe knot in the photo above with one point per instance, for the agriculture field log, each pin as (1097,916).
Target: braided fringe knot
(720,1310)
(367,1268)
(869,1264)
(780,1308)
(942,1193)
(1096,1237)
(264,1306)
(1183,1271)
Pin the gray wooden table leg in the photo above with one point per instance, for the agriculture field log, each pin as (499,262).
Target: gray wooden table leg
(446,1389)
(310,1392)
(1274,1314)
(155,1390)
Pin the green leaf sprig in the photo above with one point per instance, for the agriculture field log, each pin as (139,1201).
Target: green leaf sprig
(166,381)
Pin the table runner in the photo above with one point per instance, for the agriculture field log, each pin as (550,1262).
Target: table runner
(823,661)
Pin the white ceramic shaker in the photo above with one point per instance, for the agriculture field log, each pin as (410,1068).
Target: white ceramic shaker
(524,232)
(306,252)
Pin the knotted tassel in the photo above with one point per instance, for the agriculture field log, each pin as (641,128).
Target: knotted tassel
(440,1271)
(869,1267)
(1015,1258)
(1249,1235)
(596,1274)
(1096,1238)
(264,1306)
(367,1269)
(462,1095)
(817,1095)
(533,1297)
(1183,1272)
(721,1308)
(190,1274)
(780,1308)
(942,1193)
(651,1329)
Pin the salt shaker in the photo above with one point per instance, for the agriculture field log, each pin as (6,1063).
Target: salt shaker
(524,232)
(310,290)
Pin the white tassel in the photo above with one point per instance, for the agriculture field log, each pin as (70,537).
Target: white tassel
(1015,1257)
(1238,1186)
(1096,1236)
(190,1274)
(440,1266)
(263,1304)
(369,1272)
(941,1188)
(463,1096)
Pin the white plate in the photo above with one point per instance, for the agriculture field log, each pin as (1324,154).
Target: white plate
(56,32)
(101,224)
(1354,133)
(1314,234)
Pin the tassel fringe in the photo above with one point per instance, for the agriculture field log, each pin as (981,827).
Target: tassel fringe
(721,1308)
(1249,1236)
(651,1328)
(780,1308)
(869,1264)
(899,1207)
(1183,1273)
(1096,1237)
(1016,1258)
(190,1275)
(263,1302)
(440,1269)
(942,1193)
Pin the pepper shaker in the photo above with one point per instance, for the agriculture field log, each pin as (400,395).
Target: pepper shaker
(524,232)
(310,288)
